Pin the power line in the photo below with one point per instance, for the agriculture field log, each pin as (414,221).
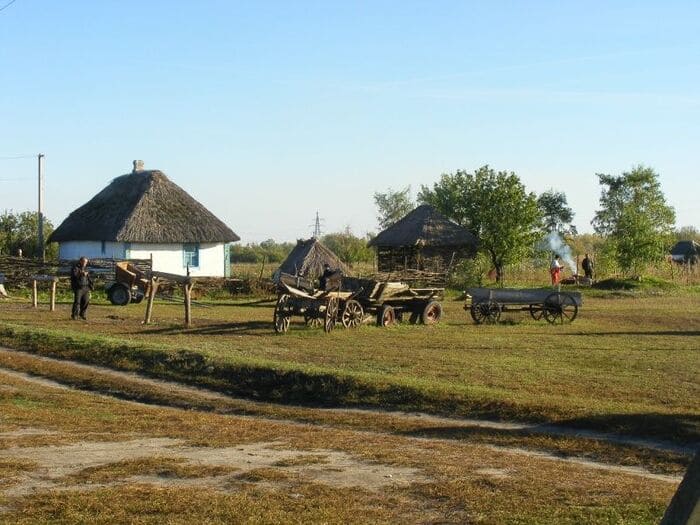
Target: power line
(14,157)
(8,4)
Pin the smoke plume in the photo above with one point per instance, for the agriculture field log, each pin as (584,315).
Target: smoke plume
(557,245)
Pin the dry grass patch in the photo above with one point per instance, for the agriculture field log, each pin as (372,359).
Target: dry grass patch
(446,480)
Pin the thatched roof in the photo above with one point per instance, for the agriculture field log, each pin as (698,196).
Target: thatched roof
(425,226)
(307,260)
(143,206)
(686,248)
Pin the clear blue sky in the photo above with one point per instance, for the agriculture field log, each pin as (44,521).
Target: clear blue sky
(268,111)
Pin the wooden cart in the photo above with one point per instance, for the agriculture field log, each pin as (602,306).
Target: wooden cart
(354,302)
(486,304)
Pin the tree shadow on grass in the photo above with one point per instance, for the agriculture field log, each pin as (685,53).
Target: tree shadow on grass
(260,303)
(654,333)
(678,434)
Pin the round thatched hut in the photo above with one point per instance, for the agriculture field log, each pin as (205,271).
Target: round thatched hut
(423,240)
(143,215)
(307,260)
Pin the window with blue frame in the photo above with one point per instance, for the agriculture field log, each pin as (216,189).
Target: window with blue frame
(190,254)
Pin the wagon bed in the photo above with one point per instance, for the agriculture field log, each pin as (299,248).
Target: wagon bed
(354,302)
(486,304)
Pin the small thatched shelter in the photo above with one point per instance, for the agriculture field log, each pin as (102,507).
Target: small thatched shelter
(142,215)
(686,252)
(423,240)
(307,260)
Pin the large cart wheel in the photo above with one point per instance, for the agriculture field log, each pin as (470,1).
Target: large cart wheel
(283,313)
(431,313)
(486,312)
(313,319)
(331,314)
(559,308)
(352,314)
(119,294)
(386,316)
(536,311)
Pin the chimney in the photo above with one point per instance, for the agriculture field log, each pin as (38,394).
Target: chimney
(138,166)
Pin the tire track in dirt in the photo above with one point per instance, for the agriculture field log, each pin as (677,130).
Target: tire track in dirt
(172,387)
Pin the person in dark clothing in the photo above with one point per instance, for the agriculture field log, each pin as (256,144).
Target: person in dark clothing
(81,284)
(587,266)
(327,272)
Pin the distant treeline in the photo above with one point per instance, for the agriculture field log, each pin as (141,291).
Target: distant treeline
(348,247)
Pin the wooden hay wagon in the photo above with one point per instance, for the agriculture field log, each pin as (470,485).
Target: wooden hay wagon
(486,304)
(354,302)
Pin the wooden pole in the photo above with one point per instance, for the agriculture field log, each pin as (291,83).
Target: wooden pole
(188,304)
(151,296)
(53,296)
(40,211)
(35,298)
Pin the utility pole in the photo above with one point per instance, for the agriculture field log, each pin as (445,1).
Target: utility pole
(40,213)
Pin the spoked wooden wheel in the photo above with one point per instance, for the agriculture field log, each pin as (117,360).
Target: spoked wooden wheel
(352,314)
(536,311)
(386,316)
(559,308)
(283,313)
(313,319)
(431,313)
(331,314)
(485,313)
(313,316)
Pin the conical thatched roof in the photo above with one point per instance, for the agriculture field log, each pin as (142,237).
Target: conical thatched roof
(307,260)
(143,206)
(425,226)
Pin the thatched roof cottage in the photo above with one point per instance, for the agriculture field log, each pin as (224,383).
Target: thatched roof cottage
(423,240)
(307,260)
(144,214)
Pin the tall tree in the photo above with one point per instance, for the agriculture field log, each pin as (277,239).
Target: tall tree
(20,231)
(349,248)
(634,216)
(392,206)
(495,206)
(556,212)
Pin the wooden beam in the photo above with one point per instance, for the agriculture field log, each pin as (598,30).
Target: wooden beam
(35,298)
(53,296)
(151,297)
(182,279)
(188,304)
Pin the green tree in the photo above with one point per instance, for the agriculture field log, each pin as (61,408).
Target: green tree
(635,217)
(495,206)
(349,248)
(20,231)
(392,206)
(687,233)
(556,212)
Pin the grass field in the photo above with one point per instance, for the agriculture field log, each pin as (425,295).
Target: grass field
(74,457)
(628,365)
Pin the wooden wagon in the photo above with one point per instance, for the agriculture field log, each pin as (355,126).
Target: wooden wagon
(354,302)
(486,304)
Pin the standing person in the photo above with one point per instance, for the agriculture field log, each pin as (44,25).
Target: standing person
(327,273)
(81,284)
(555,271)
(587,266)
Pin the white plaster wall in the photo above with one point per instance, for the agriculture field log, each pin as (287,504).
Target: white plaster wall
(169,258)
(91,250)
(166,257)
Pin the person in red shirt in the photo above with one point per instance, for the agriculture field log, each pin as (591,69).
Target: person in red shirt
(555,270)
